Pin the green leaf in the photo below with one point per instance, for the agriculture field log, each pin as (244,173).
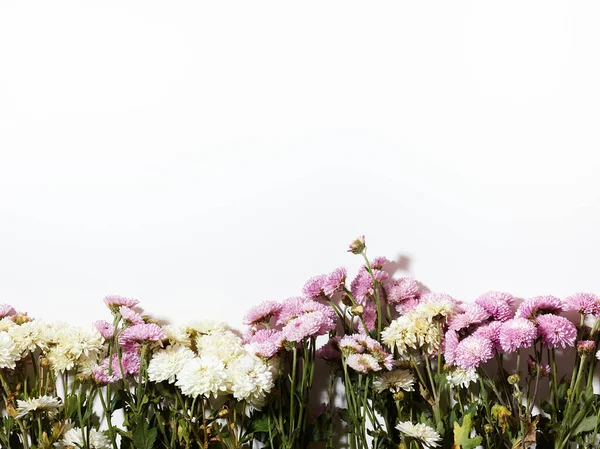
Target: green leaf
(461,434)
(142,436)
(586,425)
(260,424)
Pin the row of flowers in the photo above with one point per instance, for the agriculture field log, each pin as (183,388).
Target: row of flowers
(397,364)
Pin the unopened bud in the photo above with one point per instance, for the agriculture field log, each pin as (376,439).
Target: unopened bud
(223,412)
(399,395)
(357,310)
(346,300)
(514,379)
(586,347)
(44,362)
(357,245)
(488,428)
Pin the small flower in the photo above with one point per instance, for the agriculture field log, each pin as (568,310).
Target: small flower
(361,286)
(534,368)
(363,363)
(262,313)
(330,351)
(314,286)
(491,331)
(118,301)
(586,303)
(473,351)
(357,245)
(556,331)
(461,377)
(335,281)
(532,307)
(517,333)
(394,381)
(266,342)
(106,329)
(473,314)
(73,438)
(131,315)
(7,310)
(497,304)
(9,351)
(378,262)
(426,435)
(139,333)
(167,363)
(306,325)
(586,347)
(47,404)
(402,289)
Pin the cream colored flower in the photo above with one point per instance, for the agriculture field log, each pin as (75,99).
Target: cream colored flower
(47,404)
(394,381)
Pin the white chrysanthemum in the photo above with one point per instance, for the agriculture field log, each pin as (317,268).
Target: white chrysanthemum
(412,331)
(168,362)
(206,326)
(48,404)
(250,379)
(28,335)
(421,432)
(224,345)
(74,438)
(9,352)
(178,335)
(67,346)
(203,376)
(462,377)
(435,309)
(6,323)
(394,381)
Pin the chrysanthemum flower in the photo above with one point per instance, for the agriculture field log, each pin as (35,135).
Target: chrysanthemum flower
(497,304)
(330,351)
(46,404)
(394,381)
(168,362)
(9,352)
(586,346)
(460,377)
(74,438)
(131,315)
(335,281)
(556,331)
(402,289)
(6,310)
(262,313)
(314,286)
(586,303)
(115,301)
(266,342)
(517,333)
(202,376)
(473,314)
(424,434)
(450,344)
(106,329)
(361,286)
(139,333)
(491,331)
(304,326)
(537,305)
(473,351)
(363,363)
(357,245)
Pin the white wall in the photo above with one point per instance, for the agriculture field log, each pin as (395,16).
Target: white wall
(205,157)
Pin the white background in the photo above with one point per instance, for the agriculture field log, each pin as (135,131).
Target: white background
(203,157)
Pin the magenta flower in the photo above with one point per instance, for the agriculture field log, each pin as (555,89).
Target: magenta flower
(291,308)
(314,286)
(491,331)
(369,316)
(139,333)
(473,351)
(7,310)
(335,281)
(586,303)
(517,333)
(450,344)
(129,364)
(556,331)
(266,342)
(330,351)
(378,262)
(310,324)
(402,289)
(497,304)
(362,286)
(106,329)
(262,313)
(473,314)
(131,315)
(532,307)
(117,301)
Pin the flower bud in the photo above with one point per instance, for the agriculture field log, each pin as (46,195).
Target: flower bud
(223,412)
(346,300)
(586,347)
(514,379)
(399,395)
(357,245)
(44,362)
(488,428)
(357,310)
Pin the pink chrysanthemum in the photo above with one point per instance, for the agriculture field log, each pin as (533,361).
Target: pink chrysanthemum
(306,325)
(473,351)
(363,363)
(7,310)
(517,333)
(335,281)
(532,307)
(291,308)
(586,346)
(117,301)
(330,351)
(131,315)
(266,342)
(402,289)
(533,368)
(378,262)
(314,286)
(491,331)
(407,306)
(586,303)
(556,331)
(128,365)
(139,333)
(349,345)
(262,313)
(106,329)
(497,304)
(473,314)
(380,275)
(450,345)
(369,317)
(362,286)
